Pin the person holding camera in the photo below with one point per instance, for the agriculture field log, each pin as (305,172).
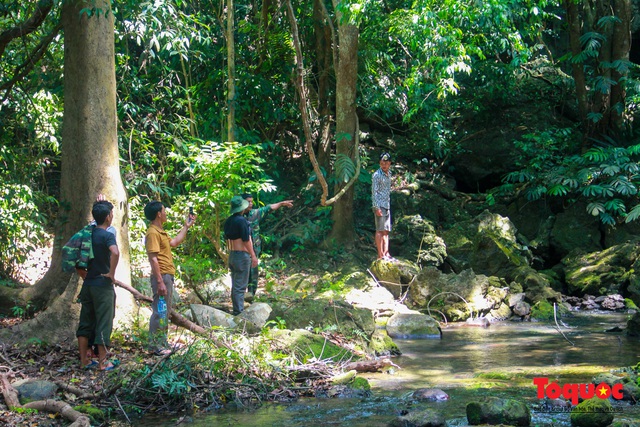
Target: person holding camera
(158,244)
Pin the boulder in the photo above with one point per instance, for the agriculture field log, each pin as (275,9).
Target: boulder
(535,285)
(459,296)
(602,272)
(31,390)
(413,326)
(308,346)
(207,317)
(594,412)
(395,276)
(487,244)
(256,314)
(420,418)
(493,410)
(633,326)
(414,235)
(324,311)
(425,394)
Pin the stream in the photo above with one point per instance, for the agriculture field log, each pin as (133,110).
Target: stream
(467,363)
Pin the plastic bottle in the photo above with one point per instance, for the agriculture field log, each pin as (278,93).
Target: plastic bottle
(162,312)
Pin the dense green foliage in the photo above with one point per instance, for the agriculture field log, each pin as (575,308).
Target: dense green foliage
(422,66)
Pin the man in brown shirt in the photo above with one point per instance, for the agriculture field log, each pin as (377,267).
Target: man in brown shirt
(158,244)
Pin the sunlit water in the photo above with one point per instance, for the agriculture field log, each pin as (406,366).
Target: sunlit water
(468,363)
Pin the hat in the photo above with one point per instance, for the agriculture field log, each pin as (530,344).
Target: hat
(385,156)
(238,204)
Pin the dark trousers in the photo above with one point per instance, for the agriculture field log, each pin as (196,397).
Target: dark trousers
(254,274)
(240,266)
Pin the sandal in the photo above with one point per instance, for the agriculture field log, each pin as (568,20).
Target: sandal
(108,367)
(91,365)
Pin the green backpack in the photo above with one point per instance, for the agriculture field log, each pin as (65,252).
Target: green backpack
(78,251)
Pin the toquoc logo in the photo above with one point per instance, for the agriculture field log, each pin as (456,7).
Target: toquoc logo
(572,392)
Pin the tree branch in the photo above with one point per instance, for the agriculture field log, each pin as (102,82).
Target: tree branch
(30,25)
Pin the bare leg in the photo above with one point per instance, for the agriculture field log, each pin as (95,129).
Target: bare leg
(83,345)
(102,356)
(385,244)
(379,243)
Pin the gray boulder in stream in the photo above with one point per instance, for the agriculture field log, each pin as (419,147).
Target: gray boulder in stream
(494,411)
(422,418)
(413,326)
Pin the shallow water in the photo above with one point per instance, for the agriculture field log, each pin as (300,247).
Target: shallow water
(468,363)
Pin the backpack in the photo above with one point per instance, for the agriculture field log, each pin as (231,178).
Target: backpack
(78,251)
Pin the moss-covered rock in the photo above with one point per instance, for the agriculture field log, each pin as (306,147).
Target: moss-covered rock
(487,244)
(633,326)
(543,311)
(420,418)
(413,326)
(381,344)
(535,285)
(307,345)
(602,272)
(493,410)
(322,312)
(593,412)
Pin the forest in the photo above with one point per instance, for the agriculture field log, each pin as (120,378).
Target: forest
(191,102)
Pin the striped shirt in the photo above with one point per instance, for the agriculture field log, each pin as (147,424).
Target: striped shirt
(381,189)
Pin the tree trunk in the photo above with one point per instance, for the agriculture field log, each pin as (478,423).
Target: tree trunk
(343,231)
(90,166)
(607,98)
(324,49)
(231,67)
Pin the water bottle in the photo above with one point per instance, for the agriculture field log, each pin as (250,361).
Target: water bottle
(162,312)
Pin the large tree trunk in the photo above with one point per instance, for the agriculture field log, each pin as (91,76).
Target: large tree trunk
(605,100)
(90,166)
(231,67)
(343,230)
(324,55)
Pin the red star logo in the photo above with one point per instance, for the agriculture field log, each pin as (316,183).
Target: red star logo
(603,391)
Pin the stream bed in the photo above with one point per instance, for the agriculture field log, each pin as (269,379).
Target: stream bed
(467,363)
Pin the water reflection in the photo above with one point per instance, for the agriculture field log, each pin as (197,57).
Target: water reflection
(468,362)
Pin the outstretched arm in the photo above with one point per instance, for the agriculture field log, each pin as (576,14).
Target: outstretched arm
(285,203)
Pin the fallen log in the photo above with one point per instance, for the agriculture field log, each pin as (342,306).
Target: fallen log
(175,317)
(10,394)
(63,408)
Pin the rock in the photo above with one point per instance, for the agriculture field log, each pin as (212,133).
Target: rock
(522,309)
(422,418)
(429,394)
(594,412)
(207,317)
(307,345)
(612,302)
(482,322)
(516,298)
(413,326)
(503,312)
(32,390)
(414,235)
(257,313)
(394,276)
(493,410)
(633,326)
(601,272)
(322,311)
(535,285)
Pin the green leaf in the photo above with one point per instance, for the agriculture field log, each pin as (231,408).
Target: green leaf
(345,168)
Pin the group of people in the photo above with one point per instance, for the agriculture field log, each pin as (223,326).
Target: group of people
(241,231)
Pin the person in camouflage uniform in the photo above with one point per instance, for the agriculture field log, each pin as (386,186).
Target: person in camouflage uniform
(254,217)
